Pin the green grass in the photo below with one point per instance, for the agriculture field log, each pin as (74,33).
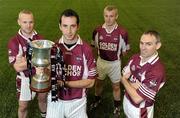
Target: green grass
(135,15)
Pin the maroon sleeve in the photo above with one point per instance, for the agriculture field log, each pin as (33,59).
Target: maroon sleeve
(155,79)
(125,37)
(12,50)
(91,63)
(94,35)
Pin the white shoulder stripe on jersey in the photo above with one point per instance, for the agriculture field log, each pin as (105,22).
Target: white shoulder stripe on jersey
(149,90)
(146,92)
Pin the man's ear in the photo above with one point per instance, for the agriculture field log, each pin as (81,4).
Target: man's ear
(18,21)
(78,27)
(117,16)
(158,45)
(59,26)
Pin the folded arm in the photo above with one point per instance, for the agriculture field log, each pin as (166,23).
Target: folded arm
(131,89)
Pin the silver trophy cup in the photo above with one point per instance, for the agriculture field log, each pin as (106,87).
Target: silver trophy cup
(41,52)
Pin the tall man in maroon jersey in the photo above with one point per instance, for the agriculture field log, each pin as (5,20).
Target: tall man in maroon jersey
(111,41)
(17,48)
(142,78)
(79,70)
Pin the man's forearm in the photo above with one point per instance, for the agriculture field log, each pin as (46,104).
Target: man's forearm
(84,83)
(131,91)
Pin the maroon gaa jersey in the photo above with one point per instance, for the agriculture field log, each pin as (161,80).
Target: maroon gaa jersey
(18,46)
(151,75)
(79,64)
(110,44)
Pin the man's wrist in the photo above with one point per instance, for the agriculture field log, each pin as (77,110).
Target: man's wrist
(66,83)
(123,79)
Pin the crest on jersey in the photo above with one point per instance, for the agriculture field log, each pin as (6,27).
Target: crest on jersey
(101,37)
(78,58)
(152,83)
(133,67)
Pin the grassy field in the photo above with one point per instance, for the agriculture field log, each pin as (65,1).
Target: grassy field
(135,15)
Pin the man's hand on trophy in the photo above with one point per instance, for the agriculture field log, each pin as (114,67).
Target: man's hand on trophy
(47,70)
(42,71)
(61,83)
(20,59)
(39,70)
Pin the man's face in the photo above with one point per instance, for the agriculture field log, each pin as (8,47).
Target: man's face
(69,27)
(148,45)
(110,17)
(26,22)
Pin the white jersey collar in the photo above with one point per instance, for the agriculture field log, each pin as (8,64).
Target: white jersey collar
(151,60)
(115,27)
(79,41)
(27,39)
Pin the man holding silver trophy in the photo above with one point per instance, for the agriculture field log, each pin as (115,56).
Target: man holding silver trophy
(18,56)
(73,70)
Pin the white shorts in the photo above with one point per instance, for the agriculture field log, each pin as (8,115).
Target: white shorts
(133,112)
(112,69)
(66,108)
(23,89)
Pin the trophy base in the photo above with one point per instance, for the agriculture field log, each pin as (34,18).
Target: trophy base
(40,90)
(40,87)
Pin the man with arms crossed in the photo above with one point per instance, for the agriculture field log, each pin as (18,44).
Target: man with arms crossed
(79,67)
(111,40)
(142,78)
(17,48)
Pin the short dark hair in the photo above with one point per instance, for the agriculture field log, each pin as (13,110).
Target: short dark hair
(153,33)
(69,13)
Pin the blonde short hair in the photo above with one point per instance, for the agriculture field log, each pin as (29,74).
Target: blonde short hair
(111,8)
(24,11)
